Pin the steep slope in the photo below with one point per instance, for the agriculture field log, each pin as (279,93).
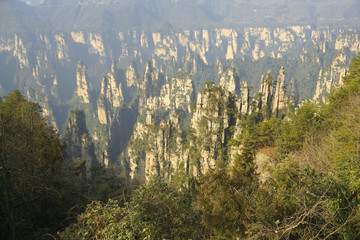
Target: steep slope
(123,77)
(310,192)
(18,17)
(169,15)
(80,147)
(318,180)
(175,138)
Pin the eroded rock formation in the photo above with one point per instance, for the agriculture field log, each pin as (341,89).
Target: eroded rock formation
(79,145)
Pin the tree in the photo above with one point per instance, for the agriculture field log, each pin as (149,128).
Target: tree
(31,157)
(155,211)
(160,212)
(99,221)
(225,198)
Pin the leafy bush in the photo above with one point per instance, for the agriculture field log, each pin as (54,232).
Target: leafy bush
(155,212)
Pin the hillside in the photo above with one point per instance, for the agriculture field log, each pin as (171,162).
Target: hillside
(149,15)
(295,178)
(179,119)
(116,78)
(274,172)
(137,82)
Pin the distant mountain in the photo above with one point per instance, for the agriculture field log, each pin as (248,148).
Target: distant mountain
(155,15)
(16,16)
(136,67)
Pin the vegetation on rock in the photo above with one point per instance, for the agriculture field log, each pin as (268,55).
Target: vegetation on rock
(308,189)
(307,186)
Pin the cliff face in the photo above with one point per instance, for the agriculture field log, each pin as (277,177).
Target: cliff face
(115,119)
(266,92)
(167,145)
(18,50)
(177,94)
(279,96)
(155,149)
(110,98)
(156,145)
(82,85)
(148,93)
(131,78)
(211,122)
(208,44)
(330,76)
(40,58)
(79,146)
(230,81)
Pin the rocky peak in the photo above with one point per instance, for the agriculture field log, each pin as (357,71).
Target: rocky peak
(55,88)
(62,51)
(110,98)
(279,96)
(174,118)
(230,81)
(156,148)
(82,85)
(130,82)
(220,67)
(97,44)
(152,81)
(210,105)
(76,123)
(245,98)
(181,90)
(113,67)
(168,52)
(329,77)
(177,94)
(211,122)
(79,146)
(266,91)
(131,75)
(151,73)
(20,52)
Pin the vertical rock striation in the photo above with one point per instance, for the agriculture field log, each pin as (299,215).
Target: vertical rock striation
(79,146)
(82,86)
(265,93)
(230,81)
(279,96)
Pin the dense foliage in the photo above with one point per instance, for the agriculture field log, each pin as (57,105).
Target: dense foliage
(155,212)
(39,195)
(34,195)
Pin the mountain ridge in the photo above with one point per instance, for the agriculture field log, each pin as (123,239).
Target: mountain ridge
(65,15)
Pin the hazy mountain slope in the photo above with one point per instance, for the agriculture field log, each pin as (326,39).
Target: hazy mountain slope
(16,16)
(117,60)
(155,15)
